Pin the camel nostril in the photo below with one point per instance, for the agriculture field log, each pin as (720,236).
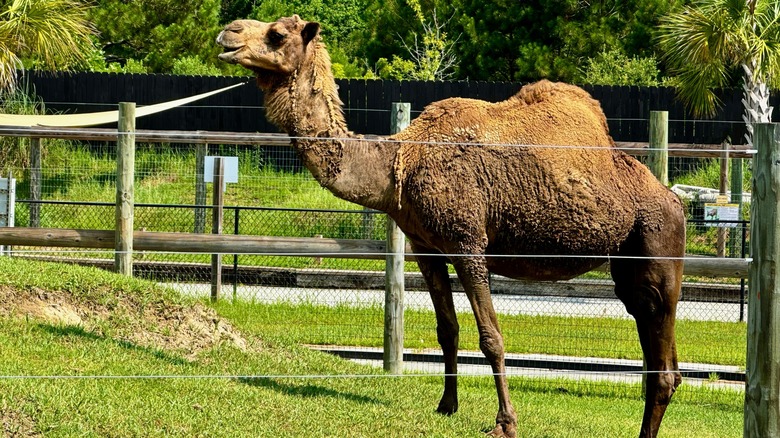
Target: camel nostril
(234,27)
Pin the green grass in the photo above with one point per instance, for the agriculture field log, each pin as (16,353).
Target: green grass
(346,400)
(707,174)
(697,341)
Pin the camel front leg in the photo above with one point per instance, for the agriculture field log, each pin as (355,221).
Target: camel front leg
(473,274)
(434,270)
(650,291)
(660,351)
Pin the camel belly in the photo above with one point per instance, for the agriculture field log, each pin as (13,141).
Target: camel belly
(542,269)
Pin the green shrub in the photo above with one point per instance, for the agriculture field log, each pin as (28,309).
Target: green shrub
(615,68)
(193,66)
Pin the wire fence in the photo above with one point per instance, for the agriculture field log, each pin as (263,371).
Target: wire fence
(575,326)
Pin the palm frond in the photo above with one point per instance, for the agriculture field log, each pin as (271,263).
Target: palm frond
(695,86)
(9,63)
(54,32)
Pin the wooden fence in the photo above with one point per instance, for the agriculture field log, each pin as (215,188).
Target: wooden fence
(366,103)
(270,245)
(233,244)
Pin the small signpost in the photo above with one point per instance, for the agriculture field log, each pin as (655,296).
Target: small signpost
(722,210)
(220,171)
(230,170)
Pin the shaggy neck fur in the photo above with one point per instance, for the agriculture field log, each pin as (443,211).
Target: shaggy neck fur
(306,104)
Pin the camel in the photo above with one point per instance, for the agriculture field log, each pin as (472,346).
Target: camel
(478,206)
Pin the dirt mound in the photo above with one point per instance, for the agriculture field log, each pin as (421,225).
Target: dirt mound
(184,329)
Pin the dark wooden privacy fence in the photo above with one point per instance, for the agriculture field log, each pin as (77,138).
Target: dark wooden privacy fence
(366,103)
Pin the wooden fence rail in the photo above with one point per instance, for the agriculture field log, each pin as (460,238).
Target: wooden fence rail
(273,139)
(308,246)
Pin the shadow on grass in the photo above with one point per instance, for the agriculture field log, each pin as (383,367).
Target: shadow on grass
(308,390)
(74,330)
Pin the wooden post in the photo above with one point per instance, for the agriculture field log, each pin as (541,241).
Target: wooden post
(125,190)
(762,375)
(216,225)
(658,162)
(394,271)
(723,187)
(737,174)
(658,155)
(35,182)
(201,151)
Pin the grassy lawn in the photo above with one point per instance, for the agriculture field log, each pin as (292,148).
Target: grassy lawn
(171,365)
(180,363)
(697,341)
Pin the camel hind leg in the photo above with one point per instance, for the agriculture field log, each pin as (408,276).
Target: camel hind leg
(650,290)
(434,270)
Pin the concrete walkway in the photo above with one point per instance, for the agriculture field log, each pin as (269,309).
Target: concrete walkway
(506,304)
(545,366)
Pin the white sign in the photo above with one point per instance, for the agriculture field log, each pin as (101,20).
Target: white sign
(7,203)
(230,170)
(721,212)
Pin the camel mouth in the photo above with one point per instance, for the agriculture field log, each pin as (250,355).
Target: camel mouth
(228,49)
(231,49)
(228,53)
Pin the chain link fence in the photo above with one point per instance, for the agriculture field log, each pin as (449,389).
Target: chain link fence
(328,301)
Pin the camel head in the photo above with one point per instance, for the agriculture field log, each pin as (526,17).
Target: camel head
(275,49)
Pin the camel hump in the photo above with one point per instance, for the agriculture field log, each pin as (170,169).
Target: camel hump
(544,90)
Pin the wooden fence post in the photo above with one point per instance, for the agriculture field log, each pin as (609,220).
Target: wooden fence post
(394,270)
(762,375)
(735,234)
(658,162)
(723,189)
(658,155)
(35,182)
(216,225)
(201,151)
(125,190)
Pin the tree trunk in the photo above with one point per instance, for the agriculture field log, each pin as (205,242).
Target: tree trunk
(755,99)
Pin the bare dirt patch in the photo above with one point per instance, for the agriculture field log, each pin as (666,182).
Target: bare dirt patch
(15,424)
(185,329)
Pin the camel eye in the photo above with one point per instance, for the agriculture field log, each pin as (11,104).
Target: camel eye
(275,37)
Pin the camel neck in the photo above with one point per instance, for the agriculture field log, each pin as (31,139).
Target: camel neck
(307,106)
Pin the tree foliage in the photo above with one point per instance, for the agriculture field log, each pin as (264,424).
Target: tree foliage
(508,40)
(158,32)
(430,56)
(569,40)
(338,18)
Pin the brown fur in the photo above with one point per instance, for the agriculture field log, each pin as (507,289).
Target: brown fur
(469,201)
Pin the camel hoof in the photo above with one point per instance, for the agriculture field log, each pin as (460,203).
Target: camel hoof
(447,408)
(503,431)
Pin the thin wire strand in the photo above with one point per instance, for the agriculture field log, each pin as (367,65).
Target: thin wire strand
(259,138)
(331,376)
(378,254)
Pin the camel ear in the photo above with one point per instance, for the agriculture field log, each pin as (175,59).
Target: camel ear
(311,30)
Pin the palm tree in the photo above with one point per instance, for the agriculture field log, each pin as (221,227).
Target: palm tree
(47,34)
(708,41)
